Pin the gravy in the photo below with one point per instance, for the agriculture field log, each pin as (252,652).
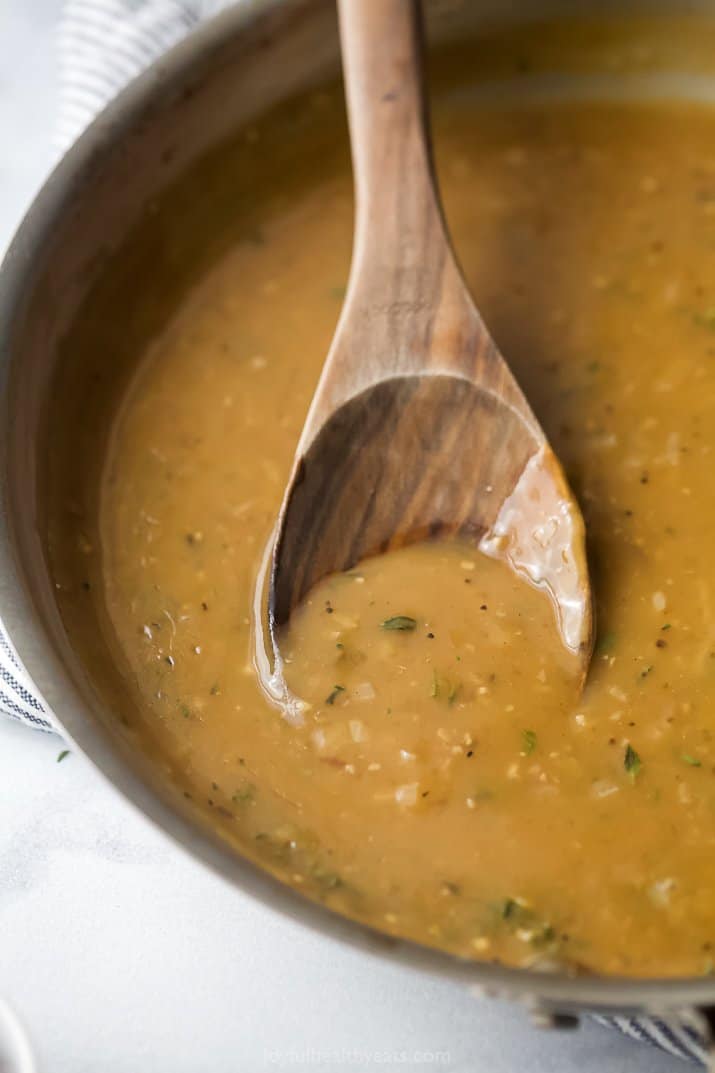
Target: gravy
(446,782)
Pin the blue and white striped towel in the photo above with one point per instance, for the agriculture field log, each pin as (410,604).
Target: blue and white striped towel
(103,44)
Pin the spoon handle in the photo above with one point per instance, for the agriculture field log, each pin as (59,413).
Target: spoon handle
(382,53)
(400,244)
(406,310)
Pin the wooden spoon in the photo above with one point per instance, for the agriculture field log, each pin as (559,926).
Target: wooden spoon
(417,428)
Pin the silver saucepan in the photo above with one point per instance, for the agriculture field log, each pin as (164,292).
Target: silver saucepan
(228,72)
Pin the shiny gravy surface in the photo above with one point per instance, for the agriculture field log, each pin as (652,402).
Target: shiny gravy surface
(446,781)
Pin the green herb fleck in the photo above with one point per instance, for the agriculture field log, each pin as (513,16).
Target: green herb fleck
(527,924)
(666,626)
(442,687)
(546,934)
(528,739)
(434,690)
(244,794)
(332,696)
(691,760)
(646,671)
(399,622)
(62,755)
(325,879)
(215,689)
(631,761)
(185,711)
(510,908)
(706,318)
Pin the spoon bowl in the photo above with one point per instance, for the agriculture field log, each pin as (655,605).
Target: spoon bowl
(418,429)
(374,477)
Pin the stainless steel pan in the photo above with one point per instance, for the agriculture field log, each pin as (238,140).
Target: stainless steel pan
(230,70)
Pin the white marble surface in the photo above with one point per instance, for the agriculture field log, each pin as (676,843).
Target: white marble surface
(117,951)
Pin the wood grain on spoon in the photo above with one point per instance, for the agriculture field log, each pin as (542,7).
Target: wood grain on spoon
(417,428)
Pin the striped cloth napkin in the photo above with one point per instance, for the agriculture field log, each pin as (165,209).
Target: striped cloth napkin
(102,45)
